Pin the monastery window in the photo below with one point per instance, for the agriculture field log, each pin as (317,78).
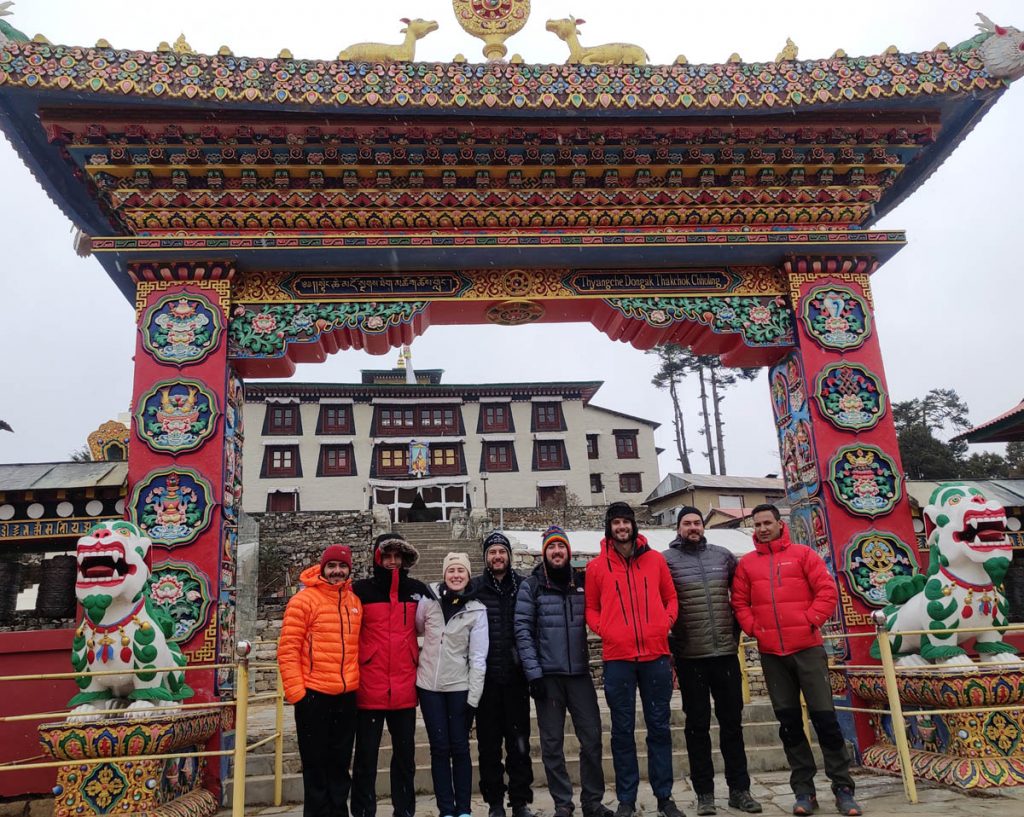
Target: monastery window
(282,420)
(438,418)
(592,447)
(596,486)
(551,496)
(335,461)
(396,418)
(625,445)
(499,457)
(548,417)
(495,417)
(392,459)
(281,461)
(630,483)
(335,420)
(282,501)
(443,456)
(549,455)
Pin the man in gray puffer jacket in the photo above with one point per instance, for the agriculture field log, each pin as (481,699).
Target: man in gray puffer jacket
(704,643)
(551,636)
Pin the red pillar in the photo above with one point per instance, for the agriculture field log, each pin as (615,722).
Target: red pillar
(840,457)
(184,466)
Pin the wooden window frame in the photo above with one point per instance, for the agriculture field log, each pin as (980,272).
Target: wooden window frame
(272,470)
(542,463)
(626,483)
(494,424)
(272,428)
(325,469)
(593,447)
(327,428)
(545,423)
(627,446)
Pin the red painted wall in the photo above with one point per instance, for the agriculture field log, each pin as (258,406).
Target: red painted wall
(31,653)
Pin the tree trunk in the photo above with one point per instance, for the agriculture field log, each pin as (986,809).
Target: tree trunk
(677,421)
(716,401)
(710,453)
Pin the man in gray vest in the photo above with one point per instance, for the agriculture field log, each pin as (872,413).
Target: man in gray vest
(704,645)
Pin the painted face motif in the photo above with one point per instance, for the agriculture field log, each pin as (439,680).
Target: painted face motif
(965,521)
(112,560)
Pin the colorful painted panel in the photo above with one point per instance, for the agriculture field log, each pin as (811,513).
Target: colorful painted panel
(792,419)
(182,592)
(836,317)
(864,480)
(760,321)
(850,396)
(181,328)
(873,558)
(261,330)
(172,505)
(176,416)
(233,437)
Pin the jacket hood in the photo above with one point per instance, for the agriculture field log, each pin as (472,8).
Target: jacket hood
(311,578)
(410,556)
(775,545)
(607,547)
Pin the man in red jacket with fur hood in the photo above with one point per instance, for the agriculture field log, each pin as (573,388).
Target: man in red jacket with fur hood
(631,604)
(782,594)
(388,655)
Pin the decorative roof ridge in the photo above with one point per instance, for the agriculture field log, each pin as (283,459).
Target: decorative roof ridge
(226,79)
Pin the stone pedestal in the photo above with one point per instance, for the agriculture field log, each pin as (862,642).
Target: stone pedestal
(126,785)
(976,749)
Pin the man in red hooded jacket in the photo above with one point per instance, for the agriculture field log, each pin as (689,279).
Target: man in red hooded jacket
(631,604)
(388,655)
(782,594)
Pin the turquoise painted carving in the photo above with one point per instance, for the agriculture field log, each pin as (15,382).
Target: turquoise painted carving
(836,318)
(864,480)
(176,416)
(759,320)
(850,396)
(181,328)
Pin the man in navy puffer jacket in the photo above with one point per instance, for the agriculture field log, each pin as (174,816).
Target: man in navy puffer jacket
(551,635)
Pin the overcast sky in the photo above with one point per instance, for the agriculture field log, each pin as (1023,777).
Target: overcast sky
(948,305)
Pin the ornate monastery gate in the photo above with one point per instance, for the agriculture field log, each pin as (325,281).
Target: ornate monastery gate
(263,212)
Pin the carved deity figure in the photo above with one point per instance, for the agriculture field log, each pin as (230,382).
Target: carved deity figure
(607,54)
(385,52)
(969,555)
(121,630)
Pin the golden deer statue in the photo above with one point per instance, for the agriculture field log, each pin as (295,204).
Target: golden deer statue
(386,52)
(607,54)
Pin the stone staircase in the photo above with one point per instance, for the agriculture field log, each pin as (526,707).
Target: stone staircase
(434,541)
(764,752)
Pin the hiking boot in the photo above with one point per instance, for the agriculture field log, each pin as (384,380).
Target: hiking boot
(626,810)
(706,805)
(522,810)
(600,810)
(744,801)
(845,804)
(667,808)
(564,811)
(496,810)
(805,804)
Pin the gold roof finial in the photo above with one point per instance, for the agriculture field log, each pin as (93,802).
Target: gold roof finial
(788,53)
(839,54)
(892,49)
(285,54)
(492,22)
(681,60)
(735,57)
(101,43)
(181,46)
(224,51)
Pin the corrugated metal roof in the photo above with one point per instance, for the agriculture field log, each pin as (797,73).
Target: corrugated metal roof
(1007,492)
(719,481)
(38,476)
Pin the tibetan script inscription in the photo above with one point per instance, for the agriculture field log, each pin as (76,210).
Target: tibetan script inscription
(348,285)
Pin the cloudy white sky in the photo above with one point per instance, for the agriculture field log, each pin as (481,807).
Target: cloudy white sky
(948,306)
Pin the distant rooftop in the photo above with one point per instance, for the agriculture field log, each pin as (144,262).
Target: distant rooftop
(41,476)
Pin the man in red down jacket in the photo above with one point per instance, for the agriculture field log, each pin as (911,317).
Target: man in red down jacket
(782,594)
(388,656)
(631,603)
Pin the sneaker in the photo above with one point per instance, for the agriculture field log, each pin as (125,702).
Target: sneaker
(805,804)
(744,801)
(496,810)
(845,804)
(706,805)
(522,811)
(667,808)
(625,810)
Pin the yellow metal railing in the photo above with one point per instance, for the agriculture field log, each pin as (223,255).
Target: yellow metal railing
(240,704)
(890,672)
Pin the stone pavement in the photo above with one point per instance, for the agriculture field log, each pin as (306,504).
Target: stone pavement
(880,796)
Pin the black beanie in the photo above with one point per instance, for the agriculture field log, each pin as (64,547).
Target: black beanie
(618,510)
(496,537)
(687,509)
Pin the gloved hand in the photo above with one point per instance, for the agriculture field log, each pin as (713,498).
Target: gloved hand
(537,689)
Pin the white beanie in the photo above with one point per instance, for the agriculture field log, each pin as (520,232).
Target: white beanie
(456,559)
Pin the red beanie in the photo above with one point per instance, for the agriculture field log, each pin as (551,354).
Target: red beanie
(337,553)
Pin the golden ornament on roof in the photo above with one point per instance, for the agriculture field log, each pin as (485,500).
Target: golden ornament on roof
(607,54)
(787,54)
(181,46)
(492,21)
(404,51)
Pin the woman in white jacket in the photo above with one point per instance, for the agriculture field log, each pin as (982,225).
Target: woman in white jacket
(450,678)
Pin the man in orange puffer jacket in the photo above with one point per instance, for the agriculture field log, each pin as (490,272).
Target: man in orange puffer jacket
(318,654)
(782,594)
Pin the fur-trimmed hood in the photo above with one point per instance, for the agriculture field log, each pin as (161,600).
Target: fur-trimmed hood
(410,556)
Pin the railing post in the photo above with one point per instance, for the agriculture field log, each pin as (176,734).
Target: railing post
(279,744)
(242,650)
(744,677)
(899,728)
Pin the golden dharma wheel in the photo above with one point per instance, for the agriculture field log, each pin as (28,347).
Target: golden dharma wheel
(492,21)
